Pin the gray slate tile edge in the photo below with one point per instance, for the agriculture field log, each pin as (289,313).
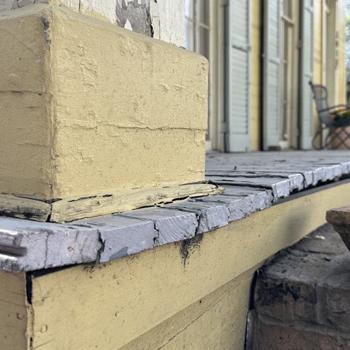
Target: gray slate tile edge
(29,246)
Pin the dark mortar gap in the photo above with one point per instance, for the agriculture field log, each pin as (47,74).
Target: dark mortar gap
(102,248)
(130,216)
(29,288)
(44,272)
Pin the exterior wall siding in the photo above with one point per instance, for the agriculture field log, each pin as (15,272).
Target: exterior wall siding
(340,93)
(165,20)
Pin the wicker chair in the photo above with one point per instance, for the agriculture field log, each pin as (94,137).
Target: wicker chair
(335,119)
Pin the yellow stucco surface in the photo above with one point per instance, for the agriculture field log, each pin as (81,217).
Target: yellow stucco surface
(216,321)
(13,312)
(92,108)
(24,103)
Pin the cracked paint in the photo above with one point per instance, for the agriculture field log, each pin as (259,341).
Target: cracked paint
(92,113)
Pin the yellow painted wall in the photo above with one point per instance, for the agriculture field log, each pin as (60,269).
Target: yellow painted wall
(216,321)
(255,88)
(13,312)
(92,108)
(157,298)
(108,306)
(341,62)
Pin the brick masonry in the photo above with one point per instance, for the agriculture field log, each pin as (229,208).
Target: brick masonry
(302,297)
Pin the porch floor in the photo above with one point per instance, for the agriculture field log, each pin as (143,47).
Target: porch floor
(250,181)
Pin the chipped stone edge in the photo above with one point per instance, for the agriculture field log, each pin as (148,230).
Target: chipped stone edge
(56,245)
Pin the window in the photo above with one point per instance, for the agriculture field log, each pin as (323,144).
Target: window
(201,34)
(197,26)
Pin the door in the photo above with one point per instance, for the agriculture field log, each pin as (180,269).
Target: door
(238,85)
(306,74)
(272,74)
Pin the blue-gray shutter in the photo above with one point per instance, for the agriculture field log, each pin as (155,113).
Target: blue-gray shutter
(238,68)
(272,74)
(306,74)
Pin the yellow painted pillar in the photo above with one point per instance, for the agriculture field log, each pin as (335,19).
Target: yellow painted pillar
(255,87)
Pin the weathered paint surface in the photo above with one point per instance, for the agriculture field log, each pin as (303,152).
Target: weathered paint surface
(250,183)
(14,320)
(216,321)
(26,139)
(178,288)
(134,117)
(156,285)
(168,21)
(135,15)
(162,20)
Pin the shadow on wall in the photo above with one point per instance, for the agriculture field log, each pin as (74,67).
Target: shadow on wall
(135,15)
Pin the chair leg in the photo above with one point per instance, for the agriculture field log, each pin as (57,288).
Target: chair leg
(317,134)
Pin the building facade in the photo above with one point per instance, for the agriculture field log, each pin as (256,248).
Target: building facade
(93,116)
(262,55)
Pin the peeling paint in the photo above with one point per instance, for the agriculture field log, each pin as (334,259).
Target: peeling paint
(136,14)
(162,20)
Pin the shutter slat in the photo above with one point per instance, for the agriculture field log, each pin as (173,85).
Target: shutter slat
(239,75)
(271,74)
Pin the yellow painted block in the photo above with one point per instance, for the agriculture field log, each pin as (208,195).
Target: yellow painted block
(108,306)
(14,324)
(89,108)
(217,321)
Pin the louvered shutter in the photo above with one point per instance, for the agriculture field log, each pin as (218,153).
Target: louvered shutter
(272,74)
(306,73)
(238,64)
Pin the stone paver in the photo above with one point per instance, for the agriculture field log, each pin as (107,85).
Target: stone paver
(302,297)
